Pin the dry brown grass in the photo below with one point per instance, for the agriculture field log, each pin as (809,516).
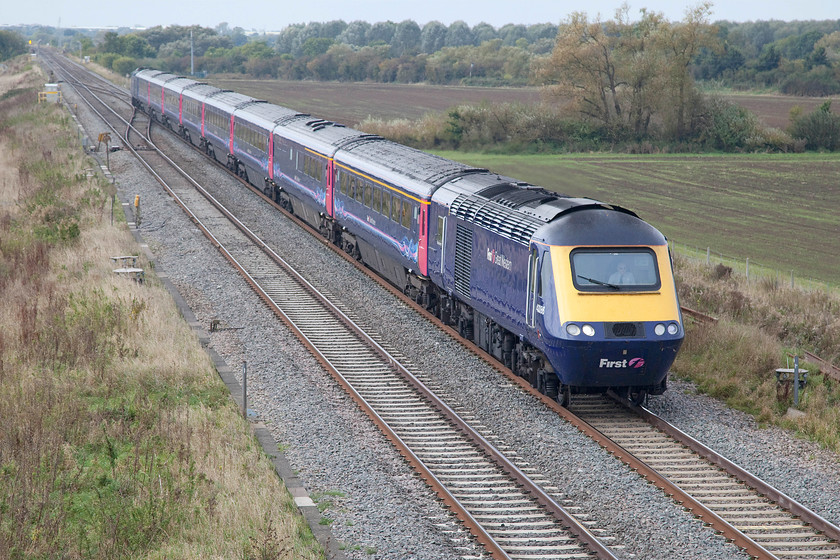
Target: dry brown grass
(117,437)
(760,325)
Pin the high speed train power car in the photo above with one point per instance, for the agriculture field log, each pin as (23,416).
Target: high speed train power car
(570,293)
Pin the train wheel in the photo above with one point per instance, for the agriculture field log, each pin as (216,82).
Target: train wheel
(639,398)
(564,396)
(540,382)
(622,392)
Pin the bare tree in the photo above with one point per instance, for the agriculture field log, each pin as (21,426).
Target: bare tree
(583,69)
(682,43)
(623,73)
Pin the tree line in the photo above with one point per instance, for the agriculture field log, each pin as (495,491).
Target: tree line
(799,58)
(624,80)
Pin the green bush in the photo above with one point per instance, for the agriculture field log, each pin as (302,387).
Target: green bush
(820,129)
(124,65)
(11,45)
(818,82)
(107,59)
(725,126)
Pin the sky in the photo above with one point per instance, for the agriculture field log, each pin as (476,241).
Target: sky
(268,15)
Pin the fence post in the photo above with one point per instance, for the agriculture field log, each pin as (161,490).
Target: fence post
(791,279)
(708,255)
(748,269)
(245,390)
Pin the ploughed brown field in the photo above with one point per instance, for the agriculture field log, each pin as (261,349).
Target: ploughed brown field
(351,103)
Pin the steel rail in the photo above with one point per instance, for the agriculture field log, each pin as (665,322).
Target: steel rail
(760,486)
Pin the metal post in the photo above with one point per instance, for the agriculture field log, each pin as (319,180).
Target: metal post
(245,390)
(791,279)
(708,254)
(748,269)
(137,211)
(796,381)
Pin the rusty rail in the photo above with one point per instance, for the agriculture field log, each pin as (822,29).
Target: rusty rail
(697,316)
(825,367)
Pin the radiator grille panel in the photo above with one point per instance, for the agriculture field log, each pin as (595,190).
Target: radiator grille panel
(463,260)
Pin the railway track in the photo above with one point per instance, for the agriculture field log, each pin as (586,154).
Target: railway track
(508,511)
(758,518)
(747,511)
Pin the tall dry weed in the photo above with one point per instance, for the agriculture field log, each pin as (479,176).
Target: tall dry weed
(117,437)
(760,324)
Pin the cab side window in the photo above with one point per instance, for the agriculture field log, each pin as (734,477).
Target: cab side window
(546,275)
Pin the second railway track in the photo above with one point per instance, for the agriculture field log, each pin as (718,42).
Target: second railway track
(758,518)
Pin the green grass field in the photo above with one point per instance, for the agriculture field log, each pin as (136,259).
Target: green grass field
(780,211)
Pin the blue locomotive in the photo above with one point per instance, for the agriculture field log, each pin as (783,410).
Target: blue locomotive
(570,293)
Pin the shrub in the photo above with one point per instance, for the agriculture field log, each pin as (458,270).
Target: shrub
(107,59)
(124,65)
(725,126)
(506,127)
(772,139)
(819,82)
(820,129)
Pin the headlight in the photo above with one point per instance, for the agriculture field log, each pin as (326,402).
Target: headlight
(588,330)
(573,329)
(673,328)
(659,329)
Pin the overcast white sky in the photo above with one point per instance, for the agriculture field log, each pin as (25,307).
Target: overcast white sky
(267,15)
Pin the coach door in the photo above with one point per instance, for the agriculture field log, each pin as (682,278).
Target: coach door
(330,186)
(533,281)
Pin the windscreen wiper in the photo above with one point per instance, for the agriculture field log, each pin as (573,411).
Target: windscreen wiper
(613,286)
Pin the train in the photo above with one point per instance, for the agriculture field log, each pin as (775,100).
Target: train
(572,294)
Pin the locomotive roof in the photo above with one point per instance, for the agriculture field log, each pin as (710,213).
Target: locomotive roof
(147,73)
(419,172)
(157,77)
(599,225)
(508,207)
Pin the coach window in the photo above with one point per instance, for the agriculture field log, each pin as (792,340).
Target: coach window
(342,181)
(407,211)
(360,190)
(386,203)
(396,207)
(368,194)
(377,199)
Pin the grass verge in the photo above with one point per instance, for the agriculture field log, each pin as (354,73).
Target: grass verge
(759,325)
(118,439)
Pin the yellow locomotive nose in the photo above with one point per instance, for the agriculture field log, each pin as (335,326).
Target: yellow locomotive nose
(587,292)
